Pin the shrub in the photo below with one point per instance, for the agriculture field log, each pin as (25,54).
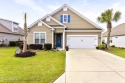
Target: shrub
(113,46)
(36,46)
(97,47)
(15,43)
(67,48)
(21,46)
(102,47)
(12,43)
(48,46)
(26,54)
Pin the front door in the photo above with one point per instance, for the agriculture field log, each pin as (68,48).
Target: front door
(58,40)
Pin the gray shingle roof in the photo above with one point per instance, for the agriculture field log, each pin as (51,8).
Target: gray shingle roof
(118,30)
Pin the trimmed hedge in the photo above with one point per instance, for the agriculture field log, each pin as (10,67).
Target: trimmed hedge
(36,46)
(47,46)
(26,54)
(15,43)
(113,46)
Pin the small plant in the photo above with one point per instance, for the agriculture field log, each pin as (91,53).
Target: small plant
(48,46)
(102,47)
(26,54)
(67,48)
(113,46)
(36,46)
(97,47)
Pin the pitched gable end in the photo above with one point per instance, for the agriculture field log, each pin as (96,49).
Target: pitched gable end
(75,12)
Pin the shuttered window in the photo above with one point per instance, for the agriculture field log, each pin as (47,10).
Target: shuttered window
(65,18)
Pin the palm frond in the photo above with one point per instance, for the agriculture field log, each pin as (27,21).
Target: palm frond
(117,16)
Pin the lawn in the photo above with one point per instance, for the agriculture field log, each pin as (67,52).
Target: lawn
(117,51)
(45,67)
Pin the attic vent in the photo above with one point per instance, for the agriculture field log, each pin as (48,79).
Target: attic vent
(40,23)
(65,9)
(48,19)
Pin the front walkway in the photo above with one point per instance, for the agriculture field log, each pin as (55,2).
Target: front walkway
(93,66)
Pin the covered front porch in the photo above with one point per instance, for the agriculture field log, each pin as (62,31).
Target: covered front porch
(59,38)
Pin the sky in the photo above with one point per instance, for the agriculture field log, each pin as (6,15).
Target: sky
(36,9)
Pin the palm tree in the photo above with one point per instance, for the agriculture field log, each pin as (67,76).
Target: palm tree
(25,34)
(108,17)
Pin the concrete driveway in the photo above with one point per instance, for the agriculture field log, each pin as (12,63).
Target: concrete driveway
(93,66)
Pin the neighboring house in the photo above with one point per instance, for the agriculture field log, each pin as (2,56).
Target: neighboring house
(117,36)
(65,27)
(10,31)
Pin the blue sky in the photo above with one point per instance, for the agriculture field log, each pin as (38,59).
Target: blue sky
(14,9)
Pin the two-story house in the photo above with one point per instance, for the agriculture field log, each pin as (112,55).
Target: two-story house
(10,31)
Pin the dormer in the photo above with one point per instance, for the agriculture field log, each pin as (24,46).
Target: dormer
(15,27)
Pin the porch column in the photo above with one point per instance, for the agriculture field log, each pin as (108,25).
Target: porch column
(63,39)
(52,39)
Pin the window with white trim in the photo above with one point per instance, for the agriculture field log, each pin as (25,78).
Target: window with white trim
(15,27)
(65,18)
(39,37)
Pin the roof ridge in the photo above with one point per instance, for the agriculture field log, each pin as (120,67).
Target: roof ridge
(73,10)
(9,20)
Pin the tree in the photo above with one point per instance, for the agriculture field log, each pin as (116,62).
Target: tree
(108,17)
(25,34)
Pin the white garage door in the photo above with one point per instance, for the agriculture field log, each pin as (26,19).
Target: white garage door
(82,41)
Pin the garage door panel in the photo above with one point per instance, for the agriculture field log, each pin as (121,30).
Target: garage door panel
(82,41)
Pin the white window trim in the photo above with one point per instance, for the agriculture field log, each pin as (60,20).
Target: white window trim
(67,18)
(13,28)
(39,36)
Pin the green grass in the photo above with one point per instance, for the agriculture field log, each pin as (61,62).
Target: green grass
(117,51)
(45,67)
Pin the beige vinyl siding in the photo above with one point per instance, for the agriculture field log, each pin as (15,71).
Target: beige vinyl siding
(85,33)
(37,28)
(58,30)
(75,20)
(51,22)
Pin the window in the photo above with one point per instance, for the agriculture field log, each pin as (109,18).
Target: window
(65,18)
(15,28)
(39,37)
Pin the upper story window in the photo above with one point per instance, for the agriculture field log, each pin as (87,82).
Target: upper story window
(15,27)
(65,18)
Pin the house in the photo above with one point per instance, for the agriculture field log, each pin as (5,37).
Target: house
(117,36)
(10,31)
(65,27)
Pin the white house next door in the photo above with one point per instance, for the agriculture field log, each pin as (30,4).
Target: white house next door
(82,41)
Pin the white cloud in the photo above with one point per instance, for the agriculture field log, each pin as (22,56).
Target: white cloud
(31,4)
